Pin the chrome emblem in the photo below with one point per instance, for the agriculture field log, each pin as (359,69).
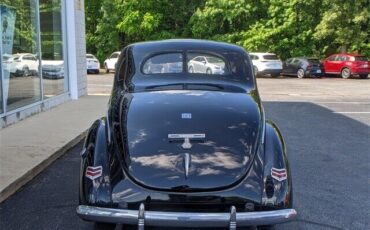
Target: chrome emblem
(186,164)
(186,138)
(186,115)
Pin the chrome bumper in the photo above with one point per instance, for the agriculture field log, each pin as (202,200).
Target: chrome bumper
(184,219)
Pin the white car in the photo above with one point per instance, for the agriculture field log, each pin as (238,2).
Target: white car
(266,64)
(52,69)
(22,64)
(206,64)
(92,64)
(110,63)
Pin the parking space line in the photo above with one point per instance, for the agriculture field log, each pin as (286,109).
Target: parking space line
(99,94)
(344,102)
(353,112)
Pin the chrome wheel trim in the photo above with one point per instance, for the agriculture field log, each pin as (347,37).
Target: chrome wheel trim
(346,73)
(191,69)
(300,73)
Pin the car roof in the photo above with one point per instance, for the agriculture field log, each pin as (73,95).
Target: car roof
(304,58)
(22,54)
(183,44)
(260,53)
(348,54)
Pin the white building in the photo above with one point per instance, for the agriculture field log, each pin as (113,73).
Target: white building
(43,64)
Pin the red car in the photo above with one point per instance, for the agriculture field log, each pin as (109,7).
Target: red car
(347,65)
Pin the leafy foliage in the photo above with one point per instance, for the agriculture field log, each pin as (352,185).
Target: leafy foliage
(288,28)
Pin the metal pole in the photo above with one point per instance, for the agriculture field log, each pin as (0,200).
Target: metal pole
(38,45)
(2,67)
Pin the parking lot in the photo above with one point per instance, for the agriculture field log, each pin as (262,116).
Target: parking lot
(326,125)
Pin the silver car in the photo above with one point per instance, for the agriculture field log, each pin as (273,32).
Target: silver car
(206,64)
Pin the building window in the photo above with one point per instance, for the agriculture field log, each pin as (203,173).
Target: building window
(31,48)
(53,72)
(20,59)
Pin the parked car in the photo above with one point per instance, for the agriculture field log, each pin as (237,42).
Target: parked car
(266,64)
(347,65)
(21,64)
(92,64)
(52,69)
(181,149)
(110,63)
(303,67)
(6,64)
(206,64)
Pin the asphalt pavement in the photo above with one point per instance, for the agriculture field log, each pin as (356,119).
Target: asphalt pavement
(327,136)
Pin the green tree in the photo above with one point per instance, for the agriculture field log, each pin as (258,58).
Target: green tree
(93,13)
(106,37)
(155,19)
(226,20)
(344,26)
(287,30)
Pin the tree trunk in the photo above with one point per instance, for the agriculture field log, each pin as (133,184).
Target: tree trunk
(343,49)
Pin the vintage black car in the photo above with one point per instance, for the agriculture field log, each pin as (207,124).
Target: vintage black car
(185,149)
(303,67)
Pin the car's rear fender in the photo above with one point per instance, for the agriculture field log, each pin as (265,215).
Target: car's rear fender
(277,178)
(95,182)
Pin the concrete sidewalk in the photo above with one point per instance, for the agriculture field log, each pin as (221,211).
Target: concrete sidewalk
(29,146)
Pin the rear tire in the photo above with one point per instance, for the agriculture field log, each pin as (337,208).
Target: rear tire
(300,73)
(26,71)
(191,69)
(275,75)
(364,76)
(208,71)
(106,68)
(104,226)
(345,73)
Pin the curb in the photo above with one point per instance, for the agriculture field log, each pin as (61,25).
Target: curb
(28,176)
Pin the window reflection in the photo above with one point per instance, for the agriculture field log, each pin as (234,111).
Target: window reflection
(163,63)
(19,51)
(205,64)
(1,89)
(52,64)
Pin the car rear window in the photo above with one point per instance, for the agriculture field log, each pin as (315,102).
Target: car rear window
(361,58)
(314,61)
(90,56)
(164,63)
(270,57)
(197,63)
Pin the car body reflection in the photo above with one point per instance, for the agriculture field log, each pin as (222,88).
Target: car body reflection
(52,69)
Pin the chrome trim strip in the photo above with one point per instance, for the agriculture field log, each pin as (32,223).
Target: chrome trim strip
(108,127)
(186,164)
(232,223)
(185,219)
(190,136)
(141,217)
